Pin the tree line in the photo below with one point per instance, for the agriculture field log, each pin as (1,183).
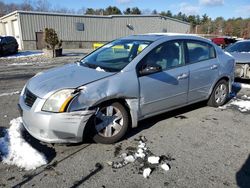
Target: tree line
(203,24)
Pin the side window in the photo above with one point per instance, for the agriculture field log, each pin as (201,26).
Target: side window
(167,55)
(4,41)
(200,51)
(12,39)
(8,39)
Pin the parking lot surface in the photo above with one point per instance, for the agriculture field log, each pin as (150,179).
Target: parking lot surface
(204,146)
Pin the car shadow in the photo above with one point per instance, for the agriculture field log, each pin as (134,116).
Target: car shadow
(149,122)
(243,175)
(244,81)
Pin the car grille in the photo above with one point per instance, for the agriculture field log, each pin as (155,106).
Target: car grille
(29,98)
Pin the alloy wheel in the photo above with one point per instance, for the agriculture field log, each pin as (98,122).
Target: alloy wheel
(108,121)
(220,93)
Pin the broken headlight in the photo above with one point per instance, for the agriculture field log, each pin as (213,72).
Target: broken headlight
(58,101)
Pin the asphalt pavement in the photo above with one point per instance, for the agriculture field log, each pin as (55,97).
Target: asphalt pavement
(205,147)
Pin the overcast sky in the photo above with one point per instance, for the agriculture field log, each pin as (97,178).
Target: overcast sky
(213,8)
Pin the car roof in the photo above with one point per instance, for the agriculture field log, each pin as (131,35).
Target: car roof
(156,36)
(248,40)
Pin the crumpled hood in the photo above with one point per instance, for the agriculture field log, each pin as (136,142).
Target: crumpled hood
(241,57)
(67,76)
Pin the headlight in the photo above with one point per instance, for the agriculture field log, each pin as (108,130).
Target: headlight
(58,101)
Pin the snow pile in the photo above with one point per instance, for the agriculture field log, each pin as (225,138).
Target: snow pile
(146,172)
(245,97)
(241,103)
(10,94)
(14,150)
(143,159)
(23,54)
(100,69)
(27,63)
(153,160)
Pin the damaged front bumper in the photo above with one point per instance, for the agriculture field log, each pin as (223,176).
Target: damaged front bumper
(49,127)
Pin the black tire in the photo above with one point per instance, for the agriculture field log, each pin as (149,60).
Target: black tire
(117,128)
(16,50)
(219,94)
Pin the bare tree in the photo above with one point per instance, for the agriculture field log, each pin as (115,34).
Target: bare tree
(26,5)
(42,5)
(81,10)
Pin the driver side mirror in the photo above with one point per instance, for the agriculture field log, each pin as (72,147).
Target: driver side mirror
(150,70)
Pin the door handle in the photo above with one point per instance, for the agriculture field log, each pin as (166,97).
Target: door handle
(182,76)
(214,67)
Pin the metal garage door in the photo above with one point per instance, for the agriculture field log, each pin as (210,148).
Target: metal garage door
(7,30)
(16,32)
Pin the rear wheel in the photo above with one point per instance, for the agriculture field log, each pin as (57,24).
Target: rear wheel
(219,94)
(110,123)
(16,50)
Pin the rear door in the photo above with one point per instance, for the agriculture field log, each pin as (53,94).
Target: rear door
(168,88)
(203,69)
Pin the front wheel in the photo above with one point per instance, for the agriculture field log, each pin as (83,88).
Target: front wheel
(110,123)
(219,94)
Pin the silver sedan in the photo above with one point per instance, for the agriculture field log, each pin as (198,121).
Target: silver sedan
(241,52)
(126,80)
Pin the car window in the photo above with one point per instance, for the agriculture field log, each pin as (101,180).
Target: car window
(119,51)
(167,55)
(11,39)
(8,39)
(116,52)
(200,51)
(116,55)
(239,47)
(3,41)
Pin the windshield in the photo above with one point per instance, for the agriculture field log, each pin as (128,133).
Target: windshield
(239,47)
(114,56)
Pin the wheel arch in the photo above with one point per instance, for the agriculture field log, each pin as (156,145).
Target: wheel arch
(130,104)
(224,77)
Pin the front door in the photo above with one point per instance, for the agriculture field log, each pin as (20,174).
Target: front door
(168,88)
(40,43)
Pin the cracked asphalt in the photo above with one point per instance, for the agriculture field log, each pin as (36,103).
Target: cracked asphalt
(210,147)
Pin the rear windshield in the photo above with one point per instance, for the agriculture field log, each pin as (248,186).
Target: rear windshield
(239,47)
(114,56)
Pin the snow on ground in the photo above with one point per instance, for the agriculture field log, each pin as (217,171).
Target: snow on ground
(146,172)
(143,159)
(14,150)
(10,94)
(242,103)
(27,63)
(22,55)
(153,160)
